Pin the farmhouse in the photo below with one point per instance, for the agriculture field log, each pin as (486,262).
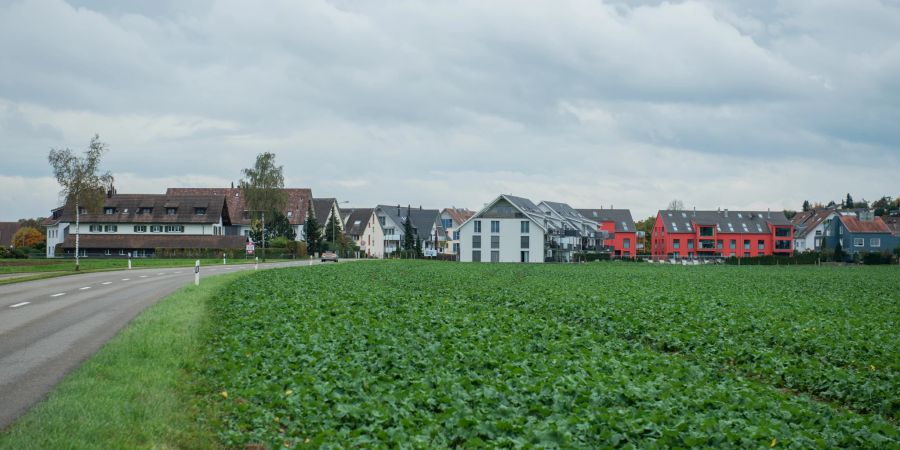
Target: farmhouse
(622,238)
(701,234)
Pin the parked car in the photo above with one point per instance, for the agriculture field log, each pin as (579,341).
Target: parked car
(329,256)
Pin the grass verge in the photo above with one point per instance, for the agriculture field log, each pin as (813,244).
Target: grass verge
(137,391)
(96,265)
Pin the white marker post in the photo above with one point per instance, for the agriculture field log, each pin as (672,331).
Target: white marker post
(129,260)
(197,273)
(256,266)
(223,259)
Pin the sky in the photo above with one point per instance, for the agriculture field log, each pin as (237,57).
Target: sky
(727,103)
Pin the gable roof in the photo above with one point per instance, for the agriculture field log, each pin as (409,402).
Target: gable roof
(805,222)
(126,208)
(620,217)
(357,221)
(893,222)
(459,215)
(854,225)
(7,231)
(322,208)
(297,202)
(528,209)
(756,222)
(423,220)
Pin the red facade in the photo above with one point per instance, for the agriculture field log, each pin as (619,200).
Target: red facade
(704,236)
(622,243)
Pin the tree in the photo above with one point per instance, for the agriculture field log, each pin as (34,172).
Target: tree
(831,203)
(82,185)
(409,240)
(418,247)
(806,206)
(313,232)
(280,226)
(838,252)
(27,237)
(675,205)
(881,206)
(333,230)
(646,226)
(848,203)
(263,189)
(789,213)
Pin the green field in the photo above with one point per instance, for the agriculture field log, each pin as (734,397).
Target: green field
(432,355)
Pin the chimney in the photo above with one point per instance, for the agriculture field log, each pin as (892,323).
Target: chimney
(768,213)
(726,212)
(398,209)
(232,184)
(695,211)
(420,207)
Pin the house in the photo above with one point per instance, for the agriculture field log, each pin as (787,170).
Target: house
(139,224)
(323,208)
(7,231)
(298,200)
(568,230)
(356,223)
(622,237)
(723,233)
(451,219)
(386,229)
(809,228)
(859,234)
(508,229)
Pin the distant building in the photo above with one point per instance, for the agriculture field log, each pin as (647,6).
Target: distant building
(7,231)
(700,234)
(859,234)
(508,229)
(385,229)
(451,219)
(623,238)
(809,229)
(356,222)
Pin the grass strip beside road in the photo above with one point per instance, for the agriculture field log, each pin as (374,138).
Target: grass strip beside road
(98,265)
(137,391)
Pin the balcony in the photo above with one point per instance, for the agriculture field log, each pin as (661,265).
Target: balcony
(783,246)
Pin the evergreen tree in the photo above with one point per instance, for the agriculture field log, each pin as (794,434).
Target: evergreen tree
(418,247)
(409,240)
(806,206)
(849,202)
(276,226)
(333,229)
(313,232)
(838,252)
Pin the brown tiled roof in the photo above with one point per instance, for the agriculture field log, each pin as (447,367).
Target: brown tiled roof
(806,221)
(144,241)
(459,215)
(297,203)
(854,225)
(7,231)
(126,207)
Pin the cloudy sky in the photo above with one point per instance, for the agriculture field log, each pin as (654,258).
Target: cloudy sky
(733,104)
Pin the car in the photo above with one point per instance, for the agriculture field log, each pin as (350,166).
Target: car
(329,256)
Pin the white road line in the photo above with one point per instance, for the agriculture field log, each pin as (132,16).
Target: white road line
(143,276)
(229,268)
(177,272)
(161,273)
(125,279)
(58,295)
(106,282)
(19,304)
(84,288)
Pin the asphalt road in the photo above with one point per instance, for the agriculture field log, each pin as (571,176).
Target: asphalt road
(48,327)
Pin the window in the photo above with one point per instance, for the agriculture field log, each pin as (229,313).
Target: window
(121,252)
(381,220)
(291,214)
(841,230)
(495,226)
(157,229)
(145,210)
(746,245)
(109,211)
(476,241)
(523,256)
(875,242)
(690,243)
(719,244)
(626,243)
(456,248)
(389,231)
(446,223)
(174,228)
(111,228)
(495,241)
(706,231)
(676,243)
(476,255)
(94,228)
(761,245)
(525,226)
(202,211)
(525,242)
(140,228)
(859,242)
(495,256)
(733,244)
(108,252)
(478,226)
(171,211)
(125,211)
(456,235)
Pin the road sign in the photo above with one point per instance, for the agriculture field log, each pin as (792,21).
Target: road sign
(251,248)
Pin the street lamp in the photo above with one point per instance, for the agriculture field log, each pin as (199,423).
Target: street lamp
(333,224)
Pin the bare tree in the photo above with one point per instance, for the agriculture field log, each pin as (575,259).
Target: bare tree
(82,184)
(675,205)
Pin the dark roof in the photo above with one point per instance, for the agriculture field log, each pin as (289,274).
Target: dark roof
(621,217)
(297,202)
(854,225)
(7,231)
(458,215)
(893,222)
(126,207)
(357,221)
(322,208)
(755,221)
(421,219)
(806,221)
(144,241)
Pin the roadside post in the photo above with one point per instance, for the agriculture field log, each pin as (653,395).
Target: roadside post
(256,266)
(197,273)
(129,260)
(224,261)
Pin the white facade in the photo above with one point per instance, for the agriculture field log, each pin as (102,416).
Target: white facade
(371,242)
(495,234)
(812,241)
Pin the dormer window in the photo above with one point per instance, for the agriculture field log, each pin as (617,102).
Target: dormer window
(109,211)
(171,211)
(290,214)
(199,211)
(145,210)
(125,211)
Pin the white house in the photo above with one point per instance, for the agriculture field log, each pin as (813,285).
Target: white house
(508,229)
(388,226)
(810,228)
(451,219)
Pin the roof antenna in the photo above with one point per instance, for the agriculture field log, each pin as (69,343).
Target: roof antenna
(769,213)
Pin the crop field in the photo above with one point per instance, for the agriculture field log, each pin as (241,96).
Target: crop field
(432,355)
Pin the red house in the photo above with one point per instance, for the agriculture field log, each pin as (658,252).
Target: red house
(698,234)
(623,236)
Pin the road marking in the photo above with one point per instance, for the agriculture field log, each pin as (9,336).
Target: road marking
(125,279)
(58,295)
(161,273)
(84,288)
(106,282)
(143,276)
(19,304)
(229,268)
(178,272)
